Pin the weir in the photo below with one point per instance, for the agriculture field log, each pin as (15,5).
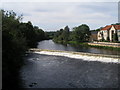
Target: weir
(79,55)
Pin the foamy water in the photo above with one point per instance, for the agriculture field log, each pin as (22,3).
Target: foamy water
(83,57)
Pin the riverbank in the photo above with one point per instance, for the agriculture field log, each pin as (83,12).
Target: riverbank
(104,45)
(79,55)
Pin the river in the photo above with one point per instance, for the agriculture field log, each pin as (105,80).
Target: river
(49,44)
(45,71)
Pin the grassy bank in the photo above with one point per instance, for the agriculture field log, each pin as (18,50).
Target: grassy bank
(60,42)
(105,47)
(86,44)
(78,43)
(75,43)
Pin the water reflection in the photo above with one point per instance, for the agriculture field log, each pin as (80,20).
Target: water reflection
(49,44)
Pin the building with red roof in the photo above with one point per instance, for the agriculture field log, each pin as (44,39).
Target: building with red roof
(107,32)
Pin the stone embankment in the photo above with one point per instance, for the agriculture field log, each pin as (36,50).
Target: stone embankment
(79,55)
(108,44)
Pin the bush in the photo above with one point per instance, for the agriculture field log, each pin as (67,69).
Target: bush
(17,37)
(115,37)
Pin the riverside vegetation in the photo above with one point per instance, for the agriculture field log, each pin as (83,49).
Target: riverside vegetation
(17,38)
(78,36)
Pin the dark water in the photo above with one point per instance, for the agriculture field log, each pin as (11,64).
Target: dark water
(44,71)
(49,44)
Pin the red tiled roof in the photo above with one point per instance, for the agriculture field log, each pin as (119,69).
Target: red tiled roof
(117,27)
(107,27)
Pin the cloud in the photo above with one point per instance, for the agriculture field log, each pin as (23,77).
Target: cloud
(59,1)
(52,16)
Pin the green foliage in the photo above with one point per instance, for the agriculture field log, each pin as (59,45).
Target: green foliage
(116,24)
(50,35)
(65,34)
(62,35)
(78,43)
(96,30)
(108,39)
(77,35)
(17,37)
(115,37)
(106,47)
(81,33)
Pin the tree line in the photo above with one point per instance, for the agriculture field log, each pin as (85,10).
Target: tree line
(78,34)
(17,38)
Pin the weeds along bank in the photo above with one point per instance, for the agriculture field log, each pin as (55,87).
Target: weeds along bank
(104,45)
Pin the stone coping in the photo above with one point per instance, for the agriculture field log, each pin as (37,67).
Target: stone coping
(107,43)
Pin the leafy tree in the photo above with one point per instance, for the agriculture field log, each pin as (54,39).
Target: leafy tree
(13,48)
(108,39)
(115,37)
(17,37)
(81,33)
(62,35)
(65,34)
(40,34)
(116,24)
(50,35)
(58,35)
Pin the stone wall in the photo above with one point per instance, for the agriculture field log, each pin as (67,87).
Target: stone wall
(109,44)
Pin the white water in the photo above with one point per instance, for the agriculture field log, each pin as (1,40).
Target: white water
(83,57)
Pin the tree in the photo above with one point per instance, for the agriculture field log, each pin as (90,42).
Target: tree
(13,48)
(50,35)
(40,34)
(17,37)
(65,34)
(81,33)
(108,39)
(115,37)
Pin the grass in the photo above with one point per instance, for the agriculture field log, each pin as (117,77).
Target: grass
(78,43)
(105,47)
(75,43)
(86,44)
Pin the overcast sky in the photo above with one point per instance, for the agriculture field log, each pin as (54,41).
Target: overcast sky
(51,16)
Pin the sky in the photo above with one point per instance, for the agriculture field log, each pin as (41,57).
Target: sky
(52,16)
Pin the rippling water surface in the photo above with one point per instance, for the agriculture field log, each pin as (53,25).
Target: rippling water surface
(49,44)
(45,71)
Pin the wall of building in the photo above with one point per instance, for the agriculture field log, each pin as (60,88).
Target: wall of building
(93,37)
(105,34)
(99,36)
(110,34)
